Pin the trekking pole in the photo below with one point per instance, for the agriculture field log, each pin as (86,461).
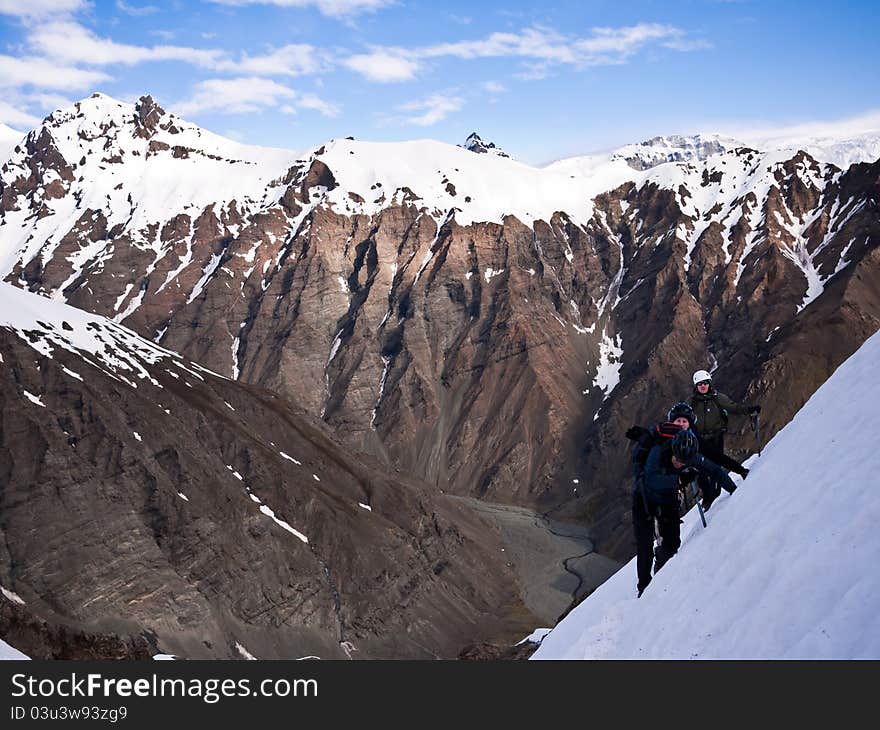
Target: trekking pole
(699,506)
(756,427)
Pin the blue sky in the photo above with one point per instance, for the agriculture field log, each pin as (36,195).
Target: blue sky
(543,80)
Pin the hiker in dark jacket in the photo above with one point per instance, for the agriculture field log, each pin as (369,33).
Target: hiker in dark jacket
(711,409)
(683,416)
(669,468)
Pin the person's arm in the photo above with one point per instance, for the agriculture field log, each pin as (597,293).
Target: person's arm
(710,467)
(732,406)
(656,479)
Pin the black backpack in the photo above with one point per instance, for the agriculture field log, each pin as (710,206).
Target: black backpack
(646,438)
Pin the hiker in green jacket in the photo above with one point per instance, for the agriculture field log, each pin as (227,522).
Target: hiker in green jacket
(711,409)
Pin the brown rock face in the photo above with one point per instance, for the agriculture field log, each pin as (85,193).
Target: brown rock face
(501,360)
(197,514)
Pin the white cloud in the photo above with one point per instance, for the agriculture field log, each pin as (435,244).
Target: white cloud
(40,8)
(235,96)
(311,101)
(165,35)
(541,43)
(290,60)
(248,95)
(45,74)
(48,102)
(384,65)
(136,10)
(332,8)
(686,44)
(493,87)
(614,45)
(533,72)
(434,108)
(69,41)
(16,117)
(543,47)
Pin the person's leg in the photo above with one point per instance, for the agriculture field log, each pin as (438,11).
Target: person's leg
(713,449)
(726,462)
(709,488)
(643,525)
(670,532)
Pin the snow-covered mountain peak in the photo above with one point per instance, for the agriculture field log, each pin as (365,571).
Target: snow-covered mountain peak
(475,143)
(143,129)
(674,148)
(841,151)
(138,165)
(787,565)
(446,179)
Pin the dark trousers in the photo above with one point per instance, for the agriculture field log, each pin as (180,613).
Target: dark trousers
(644,514)
(712,447)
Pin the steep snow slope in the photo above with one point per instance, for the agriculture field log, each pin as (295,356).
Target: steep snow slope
(9,137)
(9,652)
(442,177)
(787,567)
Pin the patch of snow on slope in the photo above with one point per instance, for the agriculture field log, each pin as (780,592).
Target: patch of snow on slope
(45,324)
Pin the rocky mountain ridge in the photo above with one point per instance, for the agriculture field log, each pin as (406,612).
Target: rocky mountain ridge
(674,148)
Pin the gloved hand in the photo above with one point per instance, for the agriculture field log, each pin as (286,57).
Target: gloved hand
(634,433)
(754,409)
(687,475)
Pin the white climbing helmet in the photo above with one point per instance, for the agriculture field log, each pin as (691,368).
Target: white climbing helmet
(701,376)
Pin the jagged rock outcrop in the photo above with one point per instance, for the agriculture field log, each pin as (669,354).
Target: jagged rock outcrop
(475,143)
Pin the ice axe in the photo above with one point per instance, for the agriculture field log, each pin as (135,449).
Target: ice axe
(756,427)
(699,506)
